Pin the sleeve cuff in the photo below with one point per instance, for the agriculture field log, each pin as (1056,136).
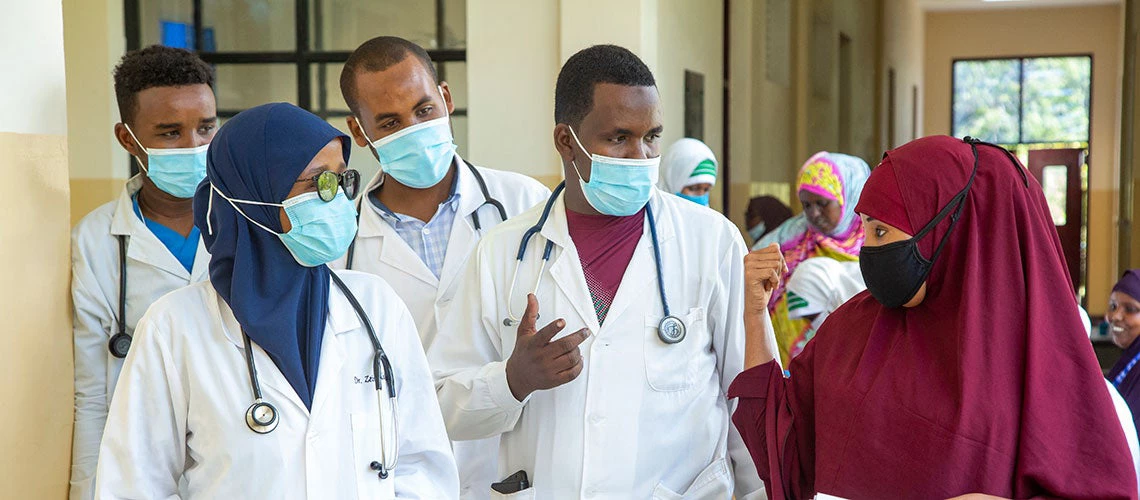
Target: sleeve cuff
(751,383)
(501,391)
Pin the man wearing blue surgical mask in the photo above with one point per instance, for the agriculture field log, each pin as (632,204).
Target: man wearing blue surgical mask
(427,208)
(601,352)
(131,251)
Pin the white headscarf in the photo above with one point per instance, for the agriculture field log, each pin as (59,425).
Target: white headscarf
(820,285)
(679,165)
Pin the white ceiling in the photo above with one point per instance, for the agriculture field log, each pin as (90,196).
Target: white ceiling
(1006,4)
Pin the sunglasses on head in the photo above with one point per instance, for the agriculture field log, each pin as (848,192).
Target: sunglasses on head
(328,181)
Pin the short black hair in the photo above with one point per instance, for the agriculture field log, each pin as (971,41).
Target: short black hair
(379,54)
(156,66)
(574,92)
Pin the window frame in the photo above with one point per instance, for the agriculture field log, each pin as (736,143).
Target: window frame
(302,56)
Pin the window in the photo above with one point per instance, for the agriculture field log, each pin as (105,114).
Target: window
(1031,100)
(293,50)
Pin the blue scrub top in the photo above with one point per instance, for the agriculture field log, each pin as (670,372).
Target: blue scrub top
(183,248)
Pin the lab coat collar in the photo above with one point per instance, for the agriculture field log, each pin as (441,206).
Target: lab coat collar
(144,246)
(342,318)
(372,225)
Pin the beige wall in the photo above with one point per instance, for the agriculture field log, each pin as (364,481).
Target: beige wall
(506,75)
(35,381)
(903,36)
(785,85)
(94,41)
(1056,31)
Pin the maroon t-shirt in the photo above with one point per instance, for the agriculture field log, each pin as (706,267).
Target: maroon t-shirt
(605,246)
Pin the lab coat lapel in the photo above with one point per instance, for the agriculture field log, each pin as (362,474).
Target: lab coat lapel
(463,236)
(142,245)
(330,377)
(274,386)
(639,283)
(566,268)
(394,251)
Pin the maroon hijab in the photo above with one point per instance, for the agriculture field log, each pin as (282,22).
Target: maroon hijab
(989,385)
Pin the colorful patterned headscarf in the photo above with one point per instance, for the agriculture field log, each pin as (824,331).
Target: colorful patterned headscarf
(837,177)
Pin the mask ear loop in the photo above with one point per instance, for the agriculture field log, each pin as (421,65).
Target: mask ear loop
(145,150)
(233,203)
(960,200)
(572,163)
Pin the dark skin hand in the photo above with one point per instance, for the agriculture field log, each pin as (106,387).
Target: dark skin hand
(823,213)
(537,363)
(391,100)
(331,157)
(625,122)
(169,117)
(763,270)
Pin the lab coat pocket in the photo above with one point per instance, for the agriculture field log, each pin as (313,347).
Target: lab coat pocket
(366,449)
(713,482)
(527,494)
(670,367)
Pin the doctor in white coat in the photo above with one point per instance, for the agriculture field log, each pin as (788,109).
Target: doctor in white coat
(423,213)
(277,378)
(133,250)
(613,397)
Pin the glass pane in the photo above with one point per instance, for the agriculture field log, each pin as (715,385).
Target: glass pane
(166,22)
(345,24)
(1055,182)
(986,100)
(326,97)
(1056,99)
(242,86)
(455,74)
(248,25)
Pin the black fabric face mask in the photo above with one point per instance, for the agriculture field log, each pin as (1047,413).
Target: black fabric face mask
(896,271)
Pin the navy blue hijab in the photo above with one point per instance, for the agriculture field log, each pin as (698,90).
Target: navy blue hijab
(282,305)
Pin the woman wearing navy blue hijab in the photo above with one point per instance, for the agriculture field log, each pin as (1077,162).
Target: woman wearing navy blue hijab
(265,380)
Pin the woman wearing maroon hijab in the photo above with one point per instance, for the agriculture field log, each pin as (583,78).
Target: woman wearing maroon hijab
(950,376)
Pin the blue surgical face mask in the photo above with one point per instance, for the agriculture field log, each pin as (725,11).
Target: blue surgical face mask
(618,186)
(755,232)
(699,200)
(176,171)
(322,231)
(418,156)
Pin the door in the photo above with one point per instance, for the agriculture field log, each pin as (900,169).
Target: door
(1059,172)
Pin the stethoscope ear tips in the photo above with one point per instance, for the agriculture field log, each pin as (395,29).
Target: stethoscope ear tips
(261,417)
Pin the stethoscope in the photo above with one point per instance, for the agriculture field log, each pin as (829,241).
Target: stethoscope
(670,329)
(487,200)
(120,342)
(262,417)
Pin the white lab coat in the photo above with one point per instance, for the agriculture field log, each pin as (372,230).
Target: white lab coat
(381,251)
(644,419)
(182,399)
(152,271)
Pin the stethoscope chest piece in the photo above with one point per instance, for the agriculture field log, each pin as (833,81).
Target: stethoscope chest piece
(671,330)
(261,417)
(119,345)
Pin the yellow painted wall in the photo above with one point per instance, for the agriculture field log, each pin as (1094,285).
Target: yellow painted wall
(511,84)
(784,85)
(1092,30)
(36,377)
(93,40)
